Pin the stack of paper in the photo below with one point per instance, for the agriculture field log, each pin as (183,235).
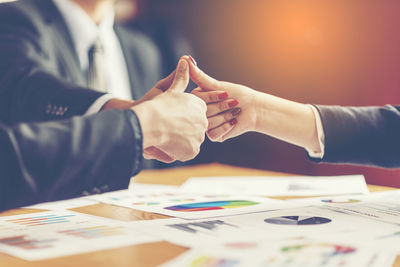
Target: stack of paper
(227,221)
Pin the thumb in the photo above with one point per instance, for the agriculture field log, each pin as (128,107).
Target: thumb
(200,78)
(181,80)
(166,83)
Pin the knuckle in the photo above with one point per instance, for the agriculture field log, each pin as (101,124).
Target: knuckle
(226,127)
(210,97)
(196,151)
(180,77)
(205,124)
(227,116)
(211,123)
(202,138)
(202,104)
(195,93)
(223,106)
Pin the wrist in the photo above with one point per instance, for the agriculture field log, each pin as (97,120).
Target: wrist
(145,113)
(116,103)
(260,110)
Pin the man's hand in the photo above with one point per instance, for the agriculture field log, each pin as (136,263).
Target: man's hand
(229,115)
(173,123)
(158,89)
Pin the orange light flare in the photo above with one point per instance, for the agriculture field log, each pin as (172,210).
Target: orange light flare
(301,44)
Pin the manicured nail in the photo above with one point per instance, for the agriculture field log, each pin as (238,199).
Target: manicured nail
(222,96)
(233,122)
(194,61)
(236,111)
(233,103)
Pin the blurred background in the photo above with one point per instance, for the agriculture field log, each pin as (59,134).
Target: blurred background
(324,52)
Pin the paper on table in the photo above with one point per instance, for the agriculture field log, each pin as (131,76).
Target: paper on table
(141,194)
(197,233)
(308,252)
(384,196)
(191,206)
(380,206)
(273,226)
(310,222)
(277,186)
(211,258)
(46,235)
(64,204)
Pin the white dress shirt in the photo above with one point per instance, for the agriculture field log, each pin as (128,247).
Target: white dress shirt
(321,136)
(84,32)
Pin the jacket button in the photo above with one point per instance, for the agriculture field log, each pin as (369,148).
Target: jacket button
(96,190)
(104,188)
(48,109)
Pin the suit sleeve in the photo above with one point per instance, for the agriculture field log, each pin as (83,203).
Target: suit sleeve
(30,89)
(361,135)
(57,160)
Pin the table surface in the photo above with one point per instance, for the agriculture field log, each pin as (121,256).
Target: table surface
(151,254)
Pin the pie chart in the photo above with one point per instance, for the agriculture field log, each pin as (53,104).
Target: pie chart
(213,205)
(297,220)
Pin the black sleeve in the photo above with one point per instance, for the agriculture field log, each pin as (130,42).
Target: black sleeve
(362,135)
(57,160)
(31,87)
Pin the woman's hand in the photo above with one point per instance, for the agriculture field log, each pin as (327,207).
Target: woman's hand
(231,108)
(286,120)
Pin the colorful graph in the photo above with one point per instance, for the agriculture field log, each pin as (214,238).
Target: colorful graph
(196,226)
(23,242)
(94,232)
(297,220)
(325,253)
(41,220)
(336,249)
(207,261)
(340,201)
(214,205)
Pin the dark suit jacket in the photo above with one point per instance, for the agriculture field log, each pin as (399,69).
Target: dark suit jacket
(362,135)
(40,75)
(57,160)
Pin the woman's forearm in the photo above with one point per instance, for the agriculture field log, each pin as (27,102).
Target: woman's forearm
(286,120)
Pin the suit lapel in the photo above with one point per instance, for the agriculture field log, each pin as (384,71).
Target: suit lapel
(61,36)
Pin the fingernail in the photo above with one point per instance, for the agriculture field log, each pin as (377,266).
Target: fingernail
(194,61)
(233,122)
(236,111)
(182,65)
(233,103)
(222,96)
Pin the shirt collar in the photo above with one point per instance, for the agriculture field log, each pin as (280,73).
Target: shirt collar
(82,28)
